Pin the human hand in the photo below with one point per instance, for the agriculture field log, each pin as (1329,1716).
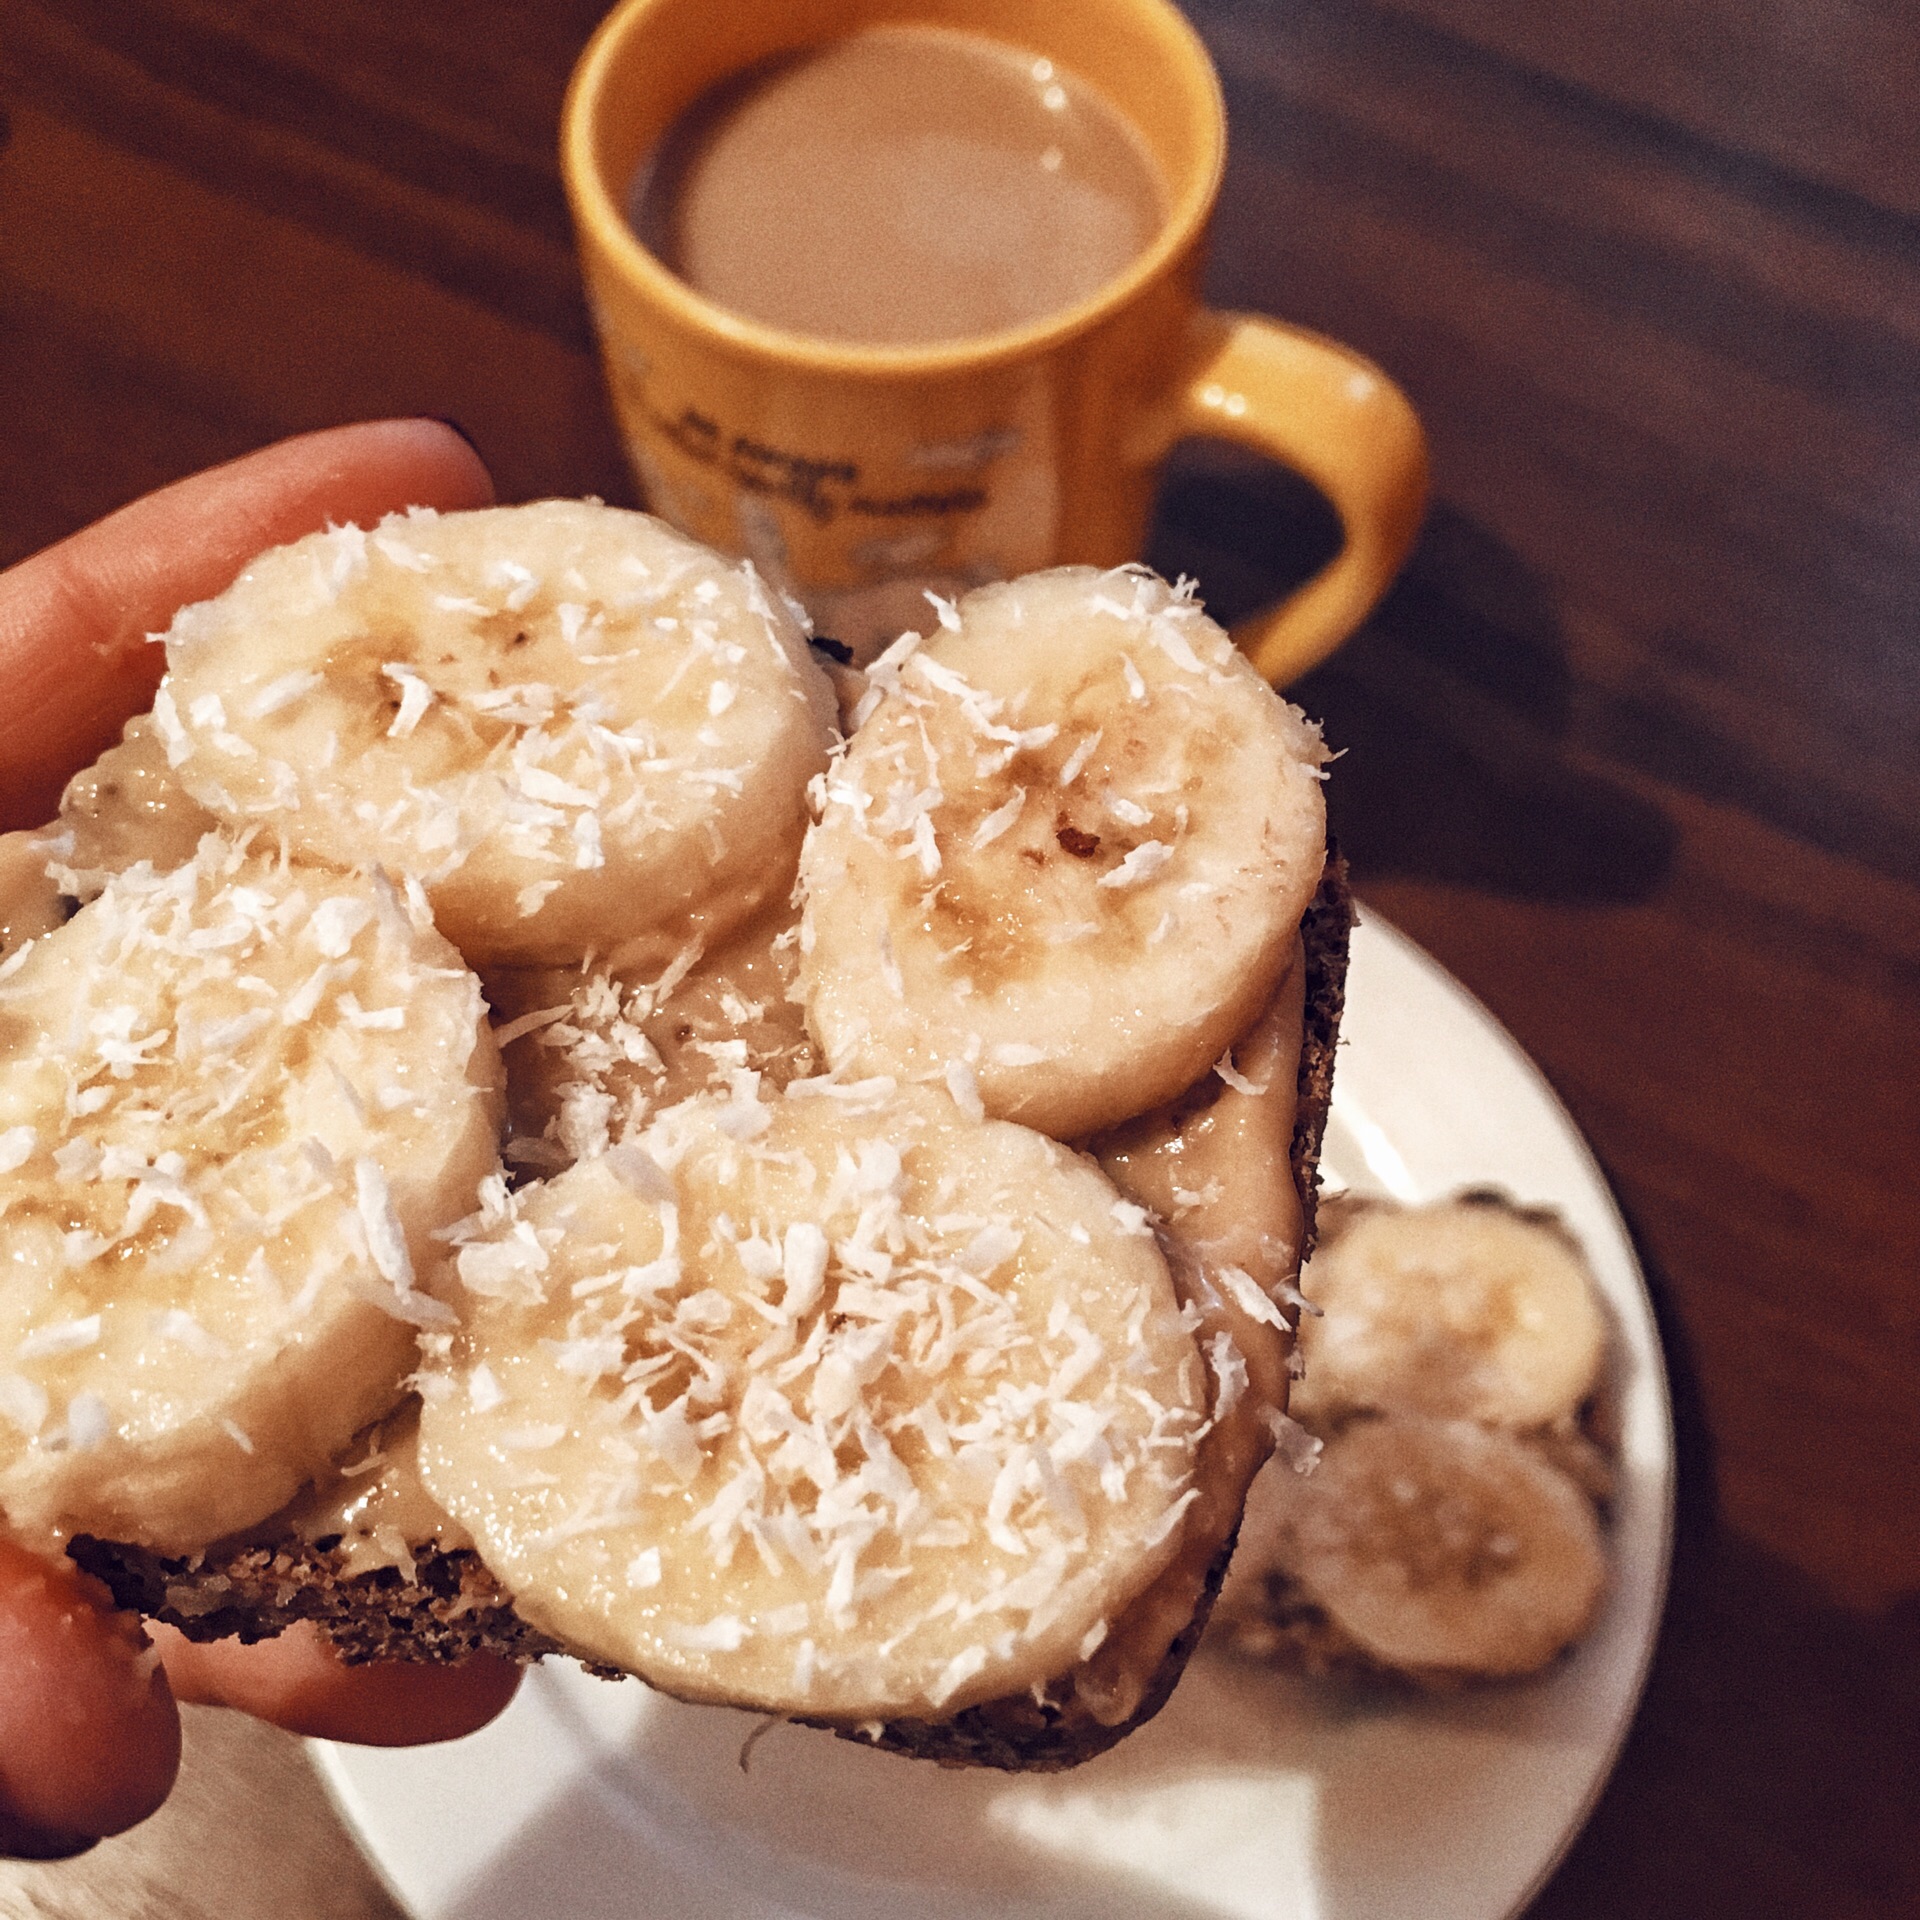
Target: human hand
(89,1732)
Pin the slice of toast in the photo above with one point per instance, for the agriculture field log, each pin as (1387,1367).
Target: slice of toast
(446,1606)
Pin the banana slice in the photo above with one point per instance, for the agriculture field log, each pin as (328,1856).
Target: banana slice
(1436,1547)
(127,807)
(592,1056)
(1466,1309)
(235,1102)
(571,723)
(30,902)
(842,1405)
(1065,858)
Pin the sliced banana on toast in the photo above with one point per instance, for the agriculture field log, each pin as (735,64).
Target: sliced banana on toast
(236,1100)
(816,1391)
(1064,860)
(842,1405)
(1467,1308)
(571,723)
(1450,1528)
(1434,1549)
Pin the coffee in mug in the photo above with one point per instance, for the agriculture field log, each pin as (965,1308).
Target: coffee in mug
(906,184)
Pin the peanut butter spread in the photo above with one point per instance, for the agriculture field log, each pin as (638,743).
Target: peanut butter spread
(1215,1167)
(373,1503)
(593,1050)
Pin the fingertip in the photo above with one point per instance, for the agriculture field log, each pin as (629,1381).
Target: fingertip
(473,446)
(89,1738)
(432,459)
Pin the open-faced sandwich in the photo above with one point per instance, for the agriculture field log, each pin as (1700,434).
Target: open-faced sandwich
(529,1125)
(1455,1376)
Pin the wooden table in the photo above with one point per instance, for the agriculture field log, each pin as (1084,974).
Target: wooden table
(1634,747)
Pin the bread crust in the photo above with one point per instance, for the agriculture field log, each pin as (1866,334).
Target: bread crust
(451,1608)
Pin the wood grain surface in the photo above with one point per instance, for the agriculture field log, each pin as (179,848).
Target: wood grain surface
(1633,747)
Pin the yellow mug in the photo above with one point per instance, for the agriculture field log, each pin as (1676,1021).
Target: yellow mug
(858,477)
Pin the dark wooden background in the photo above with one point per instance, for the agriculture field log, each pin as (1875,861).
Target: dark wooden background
(1634,745)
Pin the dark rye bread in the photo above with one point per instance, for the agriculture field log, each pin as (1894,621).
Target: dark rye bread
(450,1607)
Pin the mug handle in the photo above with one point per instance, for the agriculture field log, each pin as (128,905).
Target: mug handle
(1337,420)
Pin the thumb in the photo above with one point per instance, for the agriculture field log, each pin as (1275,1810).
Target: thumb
(74,619)
(89,1738)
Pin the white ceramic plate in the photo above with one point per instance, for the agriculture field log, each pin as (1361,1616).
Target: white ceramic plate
(1251,1797)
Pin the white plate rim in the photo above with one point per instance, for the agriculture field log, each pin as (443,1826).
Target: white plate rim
(1372,928)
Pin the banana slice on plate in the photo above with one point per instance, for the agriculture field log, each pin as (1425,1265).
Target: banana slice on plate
(1436,1547)
(1469,1308)
(572,724)
(236,1100)
(592,1055)
(1065,858)
(842,1406)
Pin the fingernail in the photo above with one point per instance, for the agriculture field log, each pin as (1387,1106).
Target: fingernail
(19,1841)
(447,420)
